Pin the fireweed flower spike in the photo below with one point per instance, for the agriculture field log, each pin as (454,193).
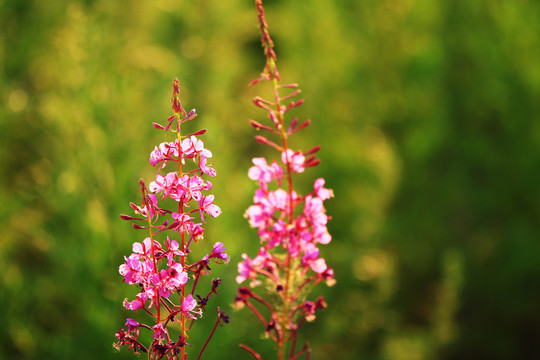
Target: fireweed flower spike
(290,225)
(161,269)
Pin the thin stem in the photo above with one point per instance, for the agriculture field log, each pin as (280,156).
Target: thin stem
(294,335)
(257,313)
(153,256)
(196,281)
(301,286)
(251,352)
(209,337)
(262,301)
(304,349)
(290,215)
(183,355)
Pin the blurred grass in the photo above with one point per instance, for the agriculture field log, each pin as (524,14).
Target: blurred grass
(428,117)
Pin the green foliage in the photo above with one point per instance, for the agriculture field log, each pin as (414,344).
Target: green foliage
(427,112)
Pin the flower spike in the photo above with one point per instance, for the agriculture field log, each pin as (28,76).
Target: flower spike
(160,270)
(290,226)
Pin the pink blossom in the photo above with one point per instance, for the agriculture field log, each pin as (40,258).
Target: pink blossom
(321,235)
(157,156)
(188,188)
(164,153)
(256,216)
(295,159)
(177,276)
(249,268)
(173,249)
(314,211)
(322,193)
(184,221)
(218,254)
(311,258)
(144,209)
(279,234)
(278,200)
(145,248)
(164,184)
(159,331)
(188,306)
(168,280)
(246,269)
(133,269)
(206,205)
(196,231)
(192,147)
(263,173)
(204,168)
(132,325)
(138,303)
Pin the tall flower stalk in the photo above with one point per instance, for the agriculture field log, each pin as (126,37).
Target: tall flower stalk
(161,269)
(290,225)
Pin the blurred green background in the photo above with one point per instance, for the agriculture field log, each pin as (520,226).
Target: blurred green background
(428,114)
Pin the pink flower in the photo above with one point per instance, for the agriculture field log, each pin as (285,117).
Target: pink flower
(132,325)
(145,248)
(159,331)
(314,211)
(164,184)
(263,173)
(144,209)
(184,221)
(311,259)
(138,303)
(256,216)
(249,268)
(278,235)
(132,269)
(173,249)
(188,188)
(206,205)
(156,156)
(322,193)
(295,159)
(164,153)
(321,235)
(278,200)
(218,254)
(177,276)
(192,147)
(169,280)
(188,306)
(204,168)
(196,231)
(160,270)
(246,270)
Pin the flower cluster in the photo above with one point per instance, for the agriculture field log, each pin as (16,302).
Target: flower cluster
(290,226)
(161,270)
(269,215)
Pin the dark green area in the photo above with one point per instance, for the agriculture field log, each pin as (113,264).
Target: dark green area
(428,117)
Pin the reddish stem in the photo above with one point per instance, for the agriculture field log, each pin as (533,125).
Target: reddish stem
(251,352)
(209,337)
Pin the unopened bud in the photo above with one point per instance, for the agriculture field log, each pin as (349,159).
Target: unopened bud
(314,150)
(265,141)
